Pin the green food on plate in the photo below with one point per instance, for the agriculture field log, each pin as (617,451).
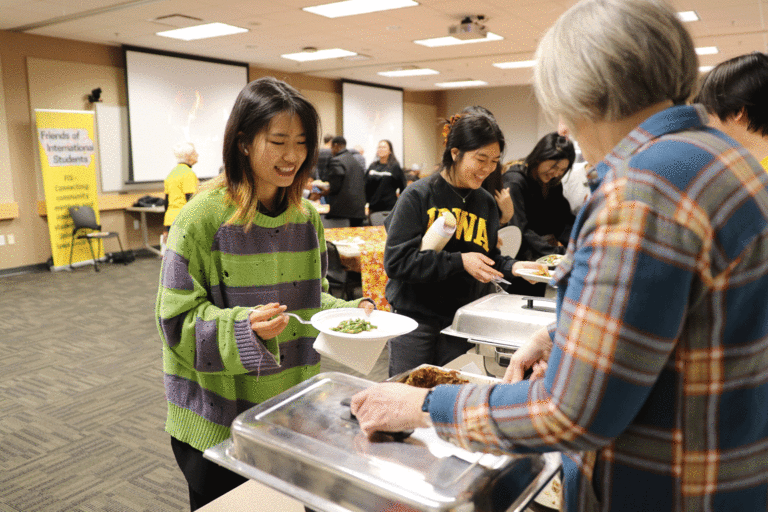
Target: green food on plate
(354,326)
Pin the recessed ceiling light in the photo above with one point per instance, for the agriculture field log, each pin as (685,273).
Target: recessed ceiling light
(450,40)
(688,16)
(462,83)
(352,7)
(707,50)
(202,31)
(704,69)
(333,53)
(409,72)
(515,64)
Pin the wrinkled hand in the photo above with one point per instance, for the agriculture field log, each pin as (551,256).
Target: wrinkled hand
(389,407)
(506,205)
(527,265)
(480,266)
(533,354)
(367,306)
(268,321)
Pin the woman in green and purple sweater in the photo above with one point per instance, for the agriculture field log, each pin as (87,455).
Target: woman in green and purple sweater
(239,255)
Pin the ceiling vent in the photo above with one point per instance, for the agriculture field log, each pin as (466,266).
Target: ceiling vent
(177,20)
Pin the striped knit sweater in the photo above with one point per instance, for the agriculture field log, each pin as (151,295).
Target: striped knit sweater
(215,366)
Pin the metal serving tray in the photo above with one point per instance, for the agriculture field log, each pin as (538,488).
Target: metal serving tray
(502,319)
(303,444)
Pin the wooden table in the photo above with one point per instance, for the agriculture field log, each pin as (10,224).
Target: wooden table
(366,256)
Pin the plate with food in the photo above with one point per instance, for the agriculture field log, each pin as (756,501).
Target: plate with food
(551,260)
(540,276)
(353,323)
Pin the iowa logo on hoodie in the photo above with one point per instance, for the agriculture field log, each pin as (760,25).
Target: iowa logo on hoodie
(469,227)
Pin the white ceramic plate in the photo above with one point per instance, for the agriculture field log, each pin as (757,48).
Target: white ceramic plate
(532,276)
(387,324)
(551,260)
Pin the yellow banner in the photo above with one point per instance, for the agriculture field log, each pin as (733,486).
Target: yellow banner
(65,139)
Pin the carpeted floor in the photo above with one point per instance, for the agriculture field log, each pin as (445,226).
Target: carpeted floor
(82,407)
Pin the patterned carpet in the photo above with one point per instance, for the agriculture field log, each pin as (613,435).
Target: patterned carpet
(82,407)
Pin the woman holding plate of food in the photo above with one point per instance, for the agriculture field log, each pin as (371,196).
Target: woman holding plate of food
(240,254)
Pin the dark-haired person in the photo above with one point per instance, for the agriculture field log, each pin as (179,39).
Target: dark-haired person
(654,372)
(240,254)
(431,286)
(346,195)
(735,94)
(542,212)
(384,179)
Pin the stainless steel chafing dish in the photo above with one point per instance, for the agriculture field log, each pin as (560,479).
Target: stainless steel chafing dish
(304,444)
(499,324)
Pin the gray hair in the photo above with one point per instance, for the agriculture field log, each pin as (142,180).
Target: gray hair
(182,151)
(604,60)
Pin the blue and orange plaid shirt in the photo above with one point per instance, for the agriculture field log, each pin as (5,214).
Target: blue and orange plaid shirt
(656,390)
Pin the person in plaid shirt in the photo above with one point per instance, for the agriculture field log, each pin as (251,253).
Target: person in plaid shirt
(653,382)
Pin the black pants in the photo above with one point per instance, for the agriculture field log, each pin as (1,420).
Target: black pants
(206,480)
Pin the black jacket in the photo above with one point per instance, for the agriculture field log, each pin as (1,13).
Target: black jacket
(381,184)
(347,193)
(538,216)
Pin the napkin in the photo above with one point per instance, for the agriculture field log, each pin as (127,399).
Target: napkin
(359,354)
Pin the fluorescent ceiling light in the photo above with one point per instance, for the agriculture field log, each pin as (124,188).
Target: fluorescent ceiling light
(409,72)
(687,16)
(450,40)
(462,83)
(202,31)
(704,69)
(333,53)
(707,50)
(516,64)
(352,7)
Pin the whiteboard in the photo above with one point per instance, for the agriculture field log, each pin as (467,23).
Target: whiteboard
(174,99)
(112,141)
(371,114)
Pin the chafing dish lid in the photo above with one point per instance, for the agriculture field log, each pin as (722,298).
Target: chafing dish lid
(502,319)
(308,427)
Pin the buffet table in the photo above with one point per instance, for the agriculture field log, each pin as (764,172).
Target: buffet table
(362,250)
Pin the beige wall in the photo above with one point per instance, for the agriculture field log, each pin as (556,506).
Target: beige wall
(44,72)
(517,113)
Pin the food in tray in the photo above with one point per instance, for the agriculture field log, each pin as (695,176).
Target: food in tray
(354,326)
(552,260)
(550,496)
(430,377)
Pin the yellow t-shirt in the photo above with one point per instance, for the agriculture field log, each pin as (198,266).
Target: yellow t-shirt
(181,181)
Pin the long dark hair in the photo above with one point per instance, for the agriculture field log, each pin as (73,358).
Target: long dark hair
(467,132)
(550,147)
(392,160)
(256,105)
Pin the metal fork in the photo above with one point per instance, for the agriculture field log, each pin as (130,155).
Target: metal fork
(297,317)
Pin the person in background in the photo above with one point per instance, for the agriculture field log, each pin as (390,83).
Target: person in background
(540,210)
(735,94)
(324,156)
(240,254)
(652,380)
(357,152)
(346,195)
(431,286)
(384,179)
(180,184)
(494,185)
